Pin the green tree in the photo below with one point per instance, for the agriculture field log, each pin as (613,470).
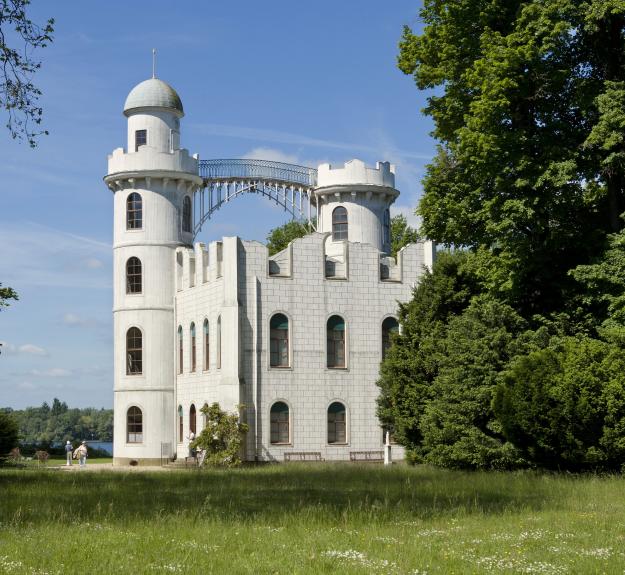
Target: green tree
(8,433)
(221,437)
(6,293)
(529,171)
(401,234)
(564,406)
(280,237)
(459,427)
(412,363)
(18,95)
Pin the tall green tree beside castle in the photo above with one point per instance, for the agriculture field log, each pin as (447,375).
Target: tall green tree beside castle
(528,186)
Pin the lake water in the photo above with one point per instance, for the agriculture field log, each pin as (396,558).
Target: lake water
(105,445)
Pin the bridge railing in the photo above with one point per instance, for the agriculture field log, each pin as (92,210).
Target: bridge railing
(242,169)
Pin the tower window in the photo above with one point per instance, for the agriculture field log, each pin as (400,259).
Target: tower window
(219,342)
(134,351)
(186,214)
(387,228)
(336,342)
(134,425)
(180,351)
(389,327)
(337,423)
(192,419)
(279,341)
(133,275)
(134,212)
(206,345)
(180,424)
(339,224)
(279,418)
(141,138)
(193,352)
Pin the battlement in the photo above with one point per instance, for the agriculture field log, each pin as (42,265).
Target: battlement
(356,172)
(147,158)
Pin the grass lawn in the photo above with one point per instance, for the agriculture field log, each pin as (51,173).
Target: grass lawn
(338,519)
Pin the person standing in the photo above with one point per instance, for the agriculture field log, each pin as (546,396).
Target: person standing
(81,453)
(68,453)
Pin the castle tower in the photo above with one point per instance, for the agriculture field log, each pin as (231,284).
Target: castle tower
(353,203)
(153,183)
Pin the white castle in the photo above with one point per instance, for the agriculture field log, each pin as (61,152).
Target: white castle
(292,341)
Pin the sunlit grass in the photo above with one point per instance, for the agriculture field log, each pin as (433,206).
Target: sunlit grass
(310,519)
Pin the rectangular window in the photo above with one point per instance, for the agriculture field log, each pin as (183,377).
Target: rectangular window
(280,427)
(336,428)
(141,138)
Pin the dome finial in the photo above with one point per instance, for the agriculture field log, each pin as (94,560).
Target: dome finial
(153,62)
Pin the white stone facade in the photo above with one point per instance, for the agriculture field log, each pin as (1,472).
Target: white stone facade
(235,289)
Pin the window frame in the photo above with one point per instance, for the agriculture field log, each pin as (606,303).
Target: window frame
(287,339)
(187,212)
(141,138)
(206,337)
(180,350)
(180,424)
(193,419)
(332,346)
(340,233)
(345,423)
(193,350)
(219,341)
(129,358)
(134,276)
(134,423)
(383,340)
(280,423)
(131,211)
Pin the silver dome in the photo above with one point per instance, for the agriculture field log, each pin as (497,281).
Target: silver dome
(153,93)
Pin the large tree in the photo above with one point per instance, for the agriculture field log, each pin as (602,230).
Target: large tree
(6,293)
(528,112)
(19,96)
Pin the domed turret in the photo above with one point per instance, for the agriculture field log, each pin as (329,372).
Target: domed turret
(153,93)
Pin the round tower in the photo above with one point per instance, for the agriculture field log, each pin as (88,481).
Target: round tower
(353,202)
(153,183)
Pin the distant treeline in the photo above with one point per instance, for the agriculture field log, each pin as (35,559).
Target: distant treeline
(58,423)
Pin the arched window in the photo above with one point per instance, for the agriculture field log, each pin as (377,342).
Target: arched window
(337,423)
(219,342)
(180,424)
(336,342)
(339,224)
(193,352)
(133,275)
(134,212)
(206,345)
(134,425)
(180,351)
(186,214)
(279,341)
(387,228)
(192,419)
(134,351)
(279,418)
(390,326)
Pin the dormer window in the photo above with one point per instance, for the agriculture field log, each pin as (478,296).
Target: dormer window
(141,138)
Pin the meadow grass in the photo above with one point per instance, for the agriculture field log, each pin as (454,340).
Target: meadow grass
(310,519)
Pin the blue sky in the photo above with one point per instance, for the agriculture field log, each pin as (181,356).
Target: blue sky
(300,82)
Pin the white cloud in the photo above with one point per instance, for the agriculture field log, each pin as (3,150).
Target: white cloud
(273,155)
(93,263)
(31,349)
(36,255)
(52,372)
(264,135)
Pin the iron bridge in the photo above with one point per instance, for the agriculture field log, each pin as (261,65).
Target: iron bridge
(288,185)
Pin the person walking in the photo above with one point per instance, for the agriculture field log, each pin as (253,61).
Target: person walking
(68,453)
(81,453)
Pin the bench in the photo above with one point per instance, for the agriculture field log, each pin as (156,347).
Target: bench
(302,456)
(366,456)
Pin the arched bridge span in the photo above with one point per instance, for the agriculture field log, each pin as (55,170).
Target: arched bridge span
(288,185)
